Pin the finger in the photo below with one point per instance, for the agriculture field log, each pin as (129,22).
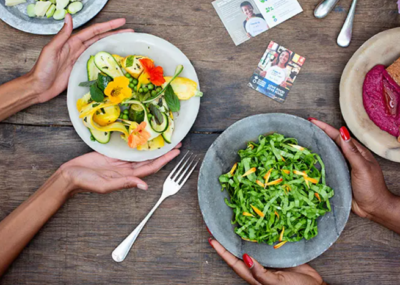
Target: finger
(236,264)
(123,182)
(98,29)
(91,41)
(179,145)
(64,34)
(261,274)
(343,140)
(155,165)
(364,151)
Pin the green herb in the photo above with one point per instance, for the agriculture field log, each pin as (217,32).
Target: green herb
(172,100)
(157,114)
(87,83)
(293,200)
(102,110)
(96,94)
(129,61)
(95,105)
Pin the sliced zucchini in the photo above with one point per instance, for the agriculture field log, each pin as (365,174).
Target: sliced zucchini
(154,144)
(148,128)
(159,128)
(101,137)
(92,70)
(167,135)
(107,64)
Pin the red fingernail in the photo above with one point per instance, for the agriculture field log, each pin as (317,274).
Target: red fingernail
(210,242)
(247,260)
(208,231)
(312,119)
(344,132)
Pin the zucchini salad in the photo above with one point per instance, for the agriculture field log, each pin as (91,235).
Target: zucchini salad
(276,191)
(131,95)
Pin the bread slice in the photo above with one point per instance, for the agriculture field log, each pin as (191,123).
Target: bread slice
(394,71)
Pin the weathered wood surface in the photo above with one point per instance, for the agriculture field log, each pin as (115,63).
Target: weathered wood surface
(75,246)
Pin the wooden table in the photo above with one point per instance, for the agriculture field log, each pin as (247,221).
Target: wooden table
(75,246)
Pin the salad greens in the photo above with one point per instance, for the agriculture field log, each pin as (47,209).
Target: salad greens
(276,191)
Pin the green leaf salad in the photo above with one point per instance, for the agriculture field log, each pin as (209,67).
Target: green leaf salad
(276,191)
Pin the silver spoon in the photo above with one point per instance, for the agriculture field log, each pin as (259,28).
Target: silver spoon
(345,34)
(324,8)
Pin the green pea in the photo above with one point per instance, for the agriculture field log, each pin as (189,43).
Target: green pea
(130,79)
(131,85)
(145,90)
(126,111)
(140,90)
(125,117)
(144,86)
(135,81)
(150,86)
(158,89)
(128,75)
(121,115)
(153,93)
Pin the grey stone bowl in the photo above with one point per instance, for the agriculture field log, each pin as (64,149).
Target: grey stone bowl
(223,154)
(16,17)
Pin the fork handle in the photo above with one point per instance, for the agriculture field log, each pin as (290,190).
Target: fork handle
(120,252)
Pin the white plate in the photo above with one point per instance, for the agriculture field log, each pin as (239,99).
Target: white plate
(382,48)
(164,54)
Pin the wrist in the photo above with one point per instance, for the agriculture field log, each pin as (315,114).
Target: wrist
(31,95)
(66,182)
(385,207)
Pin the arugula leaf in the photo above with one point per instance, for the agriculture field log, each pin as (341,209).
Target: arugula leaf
(87,83)
(96,94)
(157,114)
(129,61)
(172,100)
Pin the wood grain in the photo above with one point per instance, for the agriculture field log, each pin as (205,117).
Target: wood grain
(75,246)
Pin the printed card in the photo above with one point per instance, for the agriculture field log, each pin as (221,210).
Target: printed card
(276,72)
(247,19)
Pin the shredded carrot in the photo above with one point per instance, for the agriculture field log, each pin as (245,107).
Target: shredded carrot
(275,182)
(266,176)
(247,214)
(280,244)
(281,235)
(259,183)
(276,213)
(283,159)
(299,173)
(297,146)
(286,171)
(258,212)
(250,171)
(233,168)
(312,180)
(317,195)
(246,239)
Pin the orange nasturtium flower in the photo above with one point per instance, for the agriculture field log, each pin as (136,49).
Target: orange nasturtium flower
(118,90)
(155,74)
(139,136)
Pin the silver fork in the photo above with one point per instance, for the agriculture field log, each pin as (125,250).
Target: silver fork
(172,185)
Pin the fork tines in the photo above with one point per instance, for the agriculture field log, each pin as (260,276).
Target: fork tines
(190,162)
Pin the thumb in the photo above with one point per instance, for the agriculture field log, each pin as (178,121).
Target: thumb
(125,182)
(63,35)
(350,150)
(261,274)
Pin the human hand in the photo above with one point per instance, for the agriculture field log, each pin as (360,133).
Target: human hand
(255,274)
(94,172)
(50,74)
(370,193)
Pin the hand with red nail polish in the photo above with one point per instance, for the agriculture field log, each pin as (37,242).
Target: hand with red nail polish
(255,274)
(371,197)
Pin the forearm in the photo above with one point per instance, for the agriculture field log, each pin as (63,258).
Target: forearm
(16,95)
(17,229)
(389,214)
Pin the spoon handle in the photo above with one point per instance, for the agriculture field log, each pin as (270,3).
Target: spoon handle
(324,8)
(345,34)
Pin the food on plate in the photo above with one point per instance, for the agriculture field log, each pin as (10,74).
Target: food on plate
(276,191)
(381,97)
(49,8)
(130,95)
